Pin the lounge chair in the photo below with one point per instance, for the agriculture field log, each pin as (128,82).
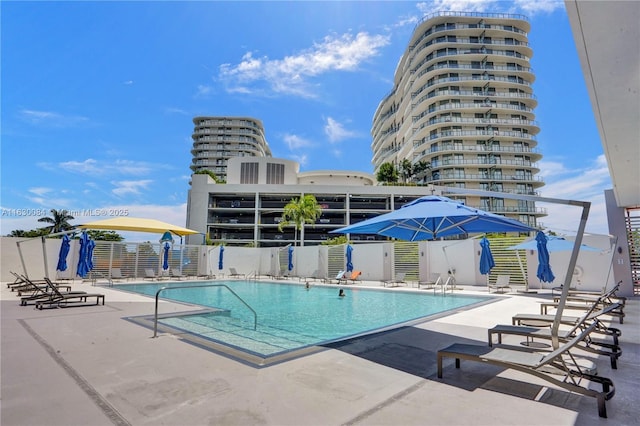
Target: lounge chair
(590,315)
(23,285)
(618,311)
(547,366)
(502,283)
(353,277)
(234,273)
(43,293)
(431,283)
(150,274)
(116,274)
(399,279)
(339,278)
(62,300)
(610,349)
(177,274)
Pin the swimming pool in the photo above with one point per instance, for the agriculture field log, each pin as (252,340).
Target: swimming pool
(291,317)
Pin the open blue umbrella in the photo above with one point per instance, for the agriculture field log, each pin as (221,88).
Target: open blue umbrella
(290,266)
(486,258)
(64,251)
(349,257)
(544,268)
(432,217)
(220,258)
(83,263)
(165,256)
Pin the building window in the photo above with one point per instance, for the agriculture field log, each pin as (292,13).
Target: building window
(249,173)
(275,174)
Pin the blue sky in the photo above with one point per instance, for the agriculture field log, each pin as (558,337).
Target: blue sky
(98,97)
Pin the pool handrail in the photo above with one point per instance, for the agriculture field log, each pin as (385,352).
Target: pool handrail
(155,317)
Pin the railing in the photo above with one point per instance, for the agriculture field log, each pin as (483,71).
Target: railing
(155,317)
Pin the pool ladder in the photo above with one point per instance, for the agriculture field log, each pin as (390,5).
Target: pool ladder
(155,317)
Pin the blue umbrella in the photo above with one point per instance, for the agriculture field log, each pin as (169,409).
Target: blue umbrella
(64,251)
(553,244)
(220,258)
(544,269)
(349,256)
(486,258)
(83,265)
(165,256)
(432,217)
(90,247)
(290,266)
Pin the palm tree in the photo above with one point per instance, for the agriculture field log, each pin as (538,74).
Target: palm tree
(406,170)
(300,211)
(59,221)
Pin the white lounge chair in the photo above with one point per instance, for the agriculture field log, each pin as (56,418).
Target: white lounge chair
(177,274)
(150,274)
(116,274)
(399,279)
(502,283)
(339,277)
(234,273)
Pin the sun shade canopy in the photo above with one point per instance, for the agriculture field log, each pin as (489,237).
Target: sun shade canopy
(136,224)
(432,217)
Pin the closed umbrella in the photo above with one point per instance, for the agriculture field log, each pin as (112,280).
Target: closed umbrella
(92,245)
(65,246)
(544,273)
(486,258)
(165,256)
(220,258)
(83,265)
(290,265)
(349,258)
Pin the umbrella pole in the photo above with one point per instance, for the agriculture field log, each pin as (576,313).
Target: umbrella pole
(526,279)
(572,265)
(449,270)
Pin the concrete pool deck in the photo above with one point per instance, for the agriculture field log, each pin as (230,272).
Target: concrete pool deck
(89,366)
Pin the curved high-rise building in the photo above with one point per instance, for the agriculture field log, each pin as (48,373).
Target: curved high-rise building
(462,110)
(216,139)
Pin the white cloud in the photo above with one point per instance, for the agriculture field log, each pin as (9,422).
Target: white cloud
(203,91)
(51,119)
(128,82)
(336,132)
(40,191)
(94,167)
(295,142)
(125,187)
(586,184)
(302,159)
(526,7)
(291,74)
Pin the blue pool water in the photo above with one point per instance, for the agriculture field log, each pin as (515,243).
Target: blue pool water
(290,317)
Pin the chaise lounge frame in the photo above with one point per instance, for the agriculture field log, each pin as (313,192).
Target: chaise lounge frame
(551,367)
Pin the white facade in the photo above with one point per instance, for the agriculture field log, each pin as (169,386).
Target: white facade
(462,108)
(217,139)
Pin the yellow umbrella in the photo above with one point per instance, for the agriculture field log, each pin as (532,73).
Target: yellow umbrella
(136,224)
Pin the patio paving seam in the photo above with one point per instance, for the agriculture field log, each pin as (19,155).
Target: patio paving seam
(95,396)
(364,415)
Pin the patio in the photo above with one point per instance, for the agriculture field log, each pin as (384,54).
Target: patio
(87,365)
